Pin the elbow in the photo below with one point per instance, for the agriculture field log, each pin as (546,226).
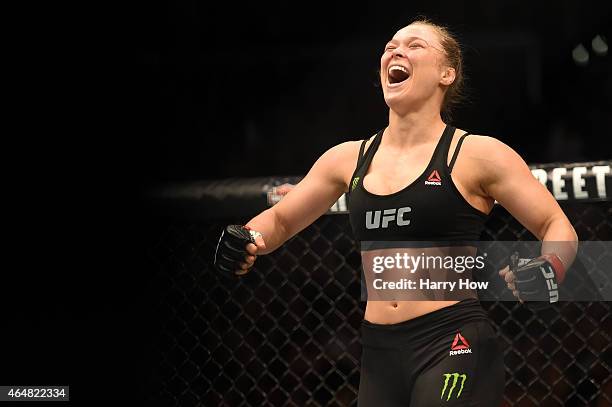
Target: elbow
(558,228)
(572,236)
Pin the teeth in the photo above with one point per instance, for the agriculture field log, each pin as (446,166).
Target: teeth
(398,68)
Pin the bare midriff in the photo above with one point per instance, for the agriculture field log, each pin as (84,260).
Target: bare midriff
(393,312)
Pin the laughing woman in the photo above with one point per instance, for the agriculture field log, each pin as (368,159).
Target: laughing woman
(449,181)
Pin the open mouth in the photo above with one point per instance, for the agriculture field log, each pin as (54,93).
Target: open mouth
(397,74)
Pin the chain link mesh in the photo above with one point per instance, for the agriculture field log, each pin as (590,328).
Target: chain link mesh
(287,334)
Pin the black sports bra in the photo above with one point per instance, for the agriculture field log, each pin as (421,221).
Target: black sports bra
(431,208)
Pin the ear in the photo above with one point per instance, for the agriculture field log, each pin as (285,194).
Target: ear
(448,76)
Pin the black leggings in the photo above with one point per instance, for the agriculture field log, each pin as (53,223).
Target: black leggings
(449,357)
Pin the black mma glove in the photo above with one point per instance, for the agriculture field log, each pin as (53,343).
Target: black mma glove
(538,279)
(231,250)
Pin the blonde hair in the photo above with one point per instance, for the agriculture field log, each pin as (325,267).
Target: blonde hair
(455,93)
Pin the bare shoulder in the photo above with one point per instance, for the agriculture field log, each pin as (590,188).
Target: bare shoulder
(341,159)
(491,157)
(487,149)
(341,154)
(351,148)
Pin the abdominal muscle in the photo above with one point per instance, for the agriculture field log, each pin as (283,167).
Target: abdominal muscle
(393,312)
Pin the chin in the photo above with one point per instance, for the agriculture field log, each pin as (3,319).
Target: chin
(397,103)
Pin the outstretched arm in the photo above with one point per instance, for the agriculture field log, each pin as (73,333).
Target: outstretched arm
(311,198)
(508,180)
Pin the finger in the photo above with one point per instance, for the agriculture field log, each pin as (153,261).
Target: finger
(511,286)
(251,249)
(503,271)
(509,277)
(517,295)
(244,268)
(261,245)
(250,260)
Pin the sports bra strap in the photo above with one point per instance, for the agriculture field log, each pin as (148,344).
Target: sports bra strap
(362,158)
(456,152)
(361,149)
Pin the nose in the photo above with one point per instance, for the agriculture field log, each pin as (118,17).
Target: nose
(398,53)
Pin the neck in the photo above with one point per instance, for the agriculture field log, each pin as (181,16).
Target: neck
(414,128)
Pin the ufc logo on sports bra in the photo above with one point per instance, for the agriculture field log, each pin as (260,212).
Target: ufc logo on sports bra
(373,218)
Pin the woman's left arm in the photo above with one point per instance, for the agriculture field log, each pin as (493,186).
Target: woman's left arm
(506,178)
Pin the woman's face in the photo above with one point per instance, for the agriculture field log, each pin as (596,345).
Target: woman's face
(412,67)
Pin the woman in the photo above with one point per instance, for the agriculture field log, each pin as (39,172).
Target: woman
(419,353)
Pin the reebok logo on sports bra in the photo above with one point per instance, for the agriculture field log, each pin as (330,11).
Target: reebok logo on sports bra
(434,179)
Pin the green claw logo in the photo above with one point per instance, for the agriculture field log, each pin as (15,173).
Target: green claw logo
(455,377)
(355,181)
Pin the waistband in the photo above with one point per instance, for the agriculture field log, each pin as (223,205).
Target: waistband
(424,328)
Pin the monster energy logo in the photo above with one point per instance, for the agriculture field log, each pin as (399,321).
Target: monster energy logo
(455,377)
(355,181)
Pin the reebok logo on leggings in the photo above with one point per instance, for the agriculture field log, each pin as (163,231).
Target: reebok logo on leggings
(460,346)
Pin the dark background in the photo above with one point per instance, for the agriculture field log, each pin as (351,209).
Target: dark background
(122,99)
(258,90)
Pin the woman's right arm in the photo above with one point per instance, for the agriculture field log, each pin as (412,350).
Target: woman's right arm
(326,181)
